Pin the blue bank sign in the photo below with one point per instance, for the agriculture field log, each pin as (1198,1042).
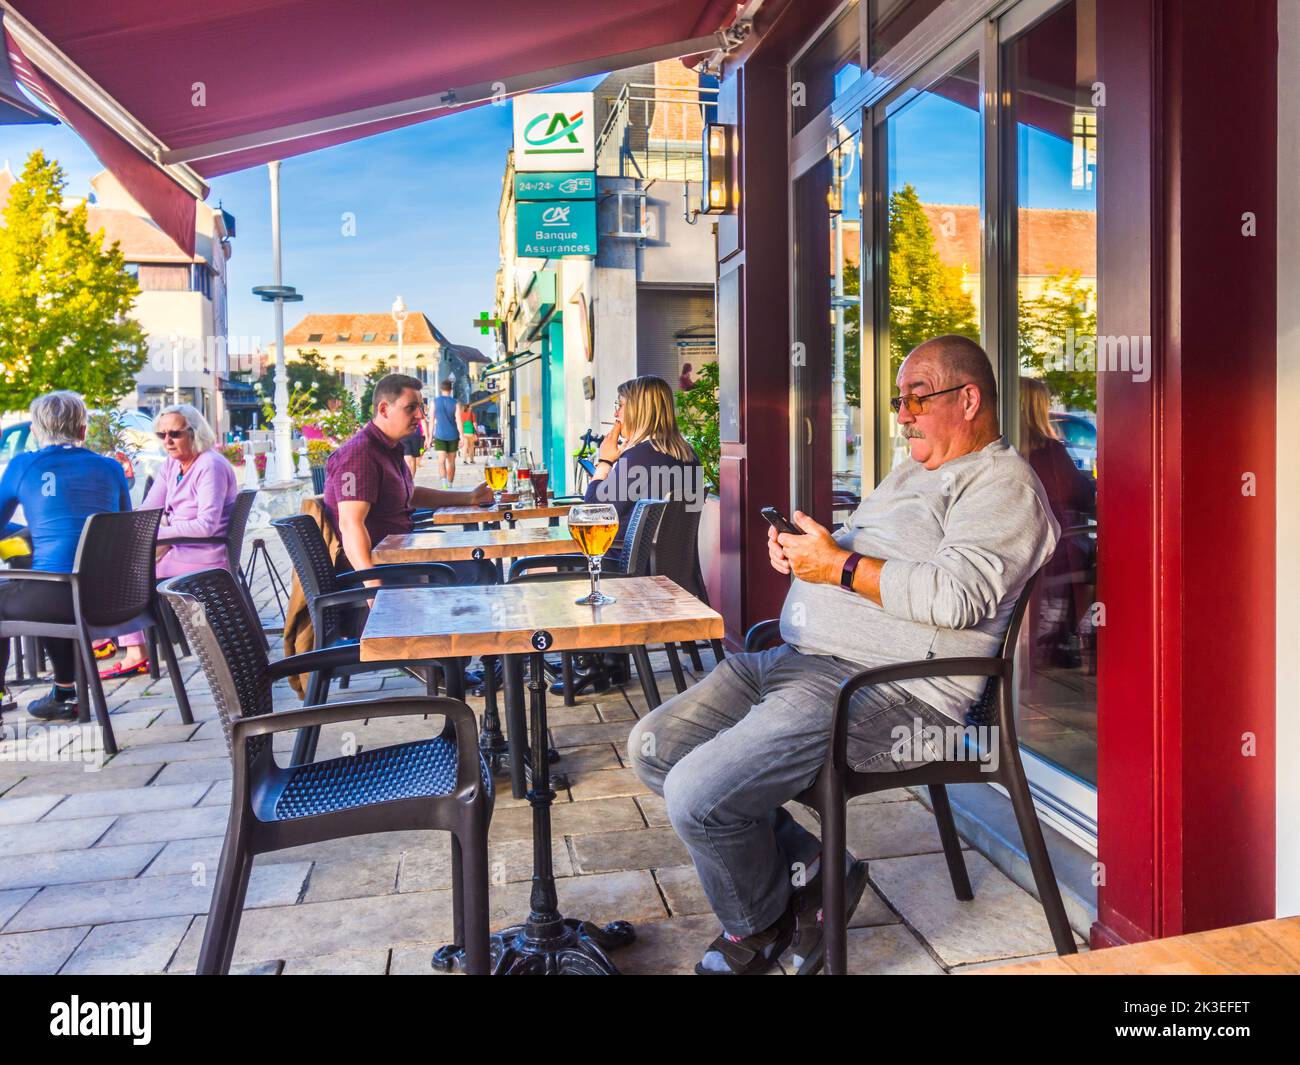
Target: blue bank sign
(566,185)
(555,228)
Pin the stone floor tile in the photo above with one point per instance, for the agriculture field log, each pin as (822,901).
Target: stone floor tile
(587,759)
(342,963)
(188,751)
(891,829)
(429,869)
(564,716)
(208,769)
(189,856)
(889,950)
(682,890)
(218,794)
(128,947)
(671,947)
(612,732)
(35,838)
(414,960)
(616,710)
(653,810)
(25,809)
(1002,921)
(569,818)
(12,900)
(154,733)
(647,848)
(76,866)
(129,801)
(76,782)
(351,879)
(152,896)
(38,953)
(892,795)
(605,783)
(160,826)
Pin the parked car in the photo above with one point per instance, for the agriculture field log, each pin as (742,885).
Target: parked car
(141,460)
(1079,435)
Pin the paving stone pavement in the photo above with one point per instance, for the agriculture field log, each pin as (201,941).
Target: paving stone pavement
(108,869)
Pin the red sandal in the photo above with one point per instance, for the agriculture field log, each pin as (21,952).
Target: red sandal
(122,670)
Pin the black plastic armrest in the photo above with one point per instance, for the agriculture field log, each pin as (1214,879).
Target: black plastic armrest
(37,575)
(336,657)
(566,561)
(763,634)
(461,716)
(931,667)
(398,571)
(222,540)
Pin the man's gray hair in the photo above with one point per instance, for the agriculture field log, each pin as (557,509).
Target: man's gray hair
(58,418)
(204,438)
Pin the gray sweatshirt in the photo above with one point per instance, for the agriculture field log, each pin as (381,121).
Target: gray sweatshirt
(959,543)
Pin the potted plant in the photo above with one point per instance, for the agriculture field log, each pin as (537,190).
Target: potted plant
(697,417)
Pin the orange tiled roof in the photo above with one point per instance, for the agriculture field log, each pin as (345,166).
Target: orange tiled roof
(417,330)
(139,238)
(1050,240)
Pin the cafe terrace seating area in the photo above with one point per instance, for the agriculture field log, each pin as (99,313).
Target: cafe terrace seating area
(113,870)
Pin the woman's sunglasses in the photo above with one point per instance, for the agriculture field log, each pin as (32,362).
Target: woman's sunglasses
(170,434)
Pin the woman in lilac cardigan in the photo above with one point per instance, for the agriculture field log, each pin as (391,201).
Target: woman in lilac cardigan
(196,490)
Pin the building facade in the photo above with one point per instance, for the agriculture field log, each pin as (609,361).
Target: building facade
(1118,230)
(571,329)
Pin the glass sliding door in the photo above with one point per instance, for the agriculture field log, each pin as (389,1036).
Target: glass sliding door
(827,353)
(1050,72)
(928,145)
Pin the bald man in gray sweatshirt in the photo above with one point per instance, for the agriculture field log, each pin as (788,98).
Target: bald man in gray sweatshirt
(929,566)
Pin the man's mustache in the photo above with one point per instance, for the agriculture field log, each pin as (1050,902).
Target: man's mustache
(910,432)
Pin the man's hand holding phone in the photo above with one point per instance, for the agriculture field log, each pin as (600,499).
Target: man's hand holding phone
(811,553)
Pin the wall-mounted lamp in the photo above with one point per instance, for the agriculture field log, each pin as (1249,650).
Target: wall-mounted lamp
(719,192)
(720,195)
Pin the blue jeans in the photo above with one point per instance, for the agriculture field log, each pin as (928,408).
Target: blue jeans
(727,754)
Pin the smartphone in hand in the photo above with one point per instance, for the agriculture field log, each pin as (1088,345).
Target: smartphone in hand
(780,522)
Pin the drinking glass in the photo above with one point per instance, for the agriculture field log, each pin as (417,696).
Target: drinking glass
(523,472)
(594,526)
(540,477)
(497,473)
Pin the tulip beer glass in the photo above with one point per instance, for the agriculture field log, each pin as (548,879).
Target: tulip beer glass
(594,526)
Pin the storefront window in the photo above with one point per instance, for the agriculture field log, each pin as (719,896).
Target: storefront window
(828,370)
(1051,74)
(824,71)
(892,20)
(931,222)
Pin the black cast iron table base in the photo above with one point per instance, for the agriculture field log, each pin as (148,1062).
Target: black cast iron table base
(547,943)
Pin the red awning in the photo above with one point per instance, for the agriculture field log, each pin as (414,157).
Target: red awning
(196,91)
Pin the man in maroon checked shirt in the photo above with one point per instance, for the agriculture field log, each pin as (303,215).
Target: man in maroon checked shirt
(369,490)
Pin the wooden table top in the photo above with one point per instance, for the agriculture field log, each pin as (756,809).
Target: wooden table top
(415,623)
(1265,947)
(430,546)
(468,515)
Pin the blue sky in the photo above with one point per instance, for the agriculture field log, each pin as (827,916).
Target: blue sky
(425,200)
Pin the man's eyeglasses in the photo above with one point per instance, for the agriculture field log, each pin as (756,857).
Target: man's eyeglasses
(170,434)
(915,403)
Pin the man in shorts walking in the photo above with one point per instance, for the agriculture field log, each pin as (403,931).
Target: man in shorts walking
(447,417)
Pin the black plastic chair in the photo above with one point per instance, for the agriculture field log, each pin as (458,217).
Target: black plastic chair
(676,555)
(836,783)
(331,595)
(440,783)
(113,593)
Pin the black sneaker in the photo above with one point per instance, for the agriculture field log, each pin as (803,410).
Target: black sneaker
(50,707)
(809,947)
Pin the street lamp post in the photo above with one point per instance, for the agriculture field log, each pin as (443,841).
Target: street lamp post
(279,294)
(399,317)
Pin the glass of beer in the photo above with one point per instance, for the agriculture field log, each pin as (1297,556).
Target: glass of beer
(594,526)
(497,473)
(539,477)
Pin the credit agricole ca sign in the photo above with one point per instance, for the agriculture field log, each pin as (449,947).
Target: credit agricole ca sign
(555,131)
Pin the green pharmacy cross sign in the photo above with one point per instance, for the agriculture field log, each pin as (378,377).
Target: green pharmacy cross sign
(485,322)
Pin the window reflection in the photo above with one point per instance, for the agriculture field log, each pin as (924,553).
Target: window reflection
(1052,68)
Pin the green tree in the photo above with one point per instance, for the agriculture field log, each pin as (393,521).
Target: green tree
(306,370)
(368,393)
(1064,308)
(64,298)
(925,296)
(852,342)
(697,417)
